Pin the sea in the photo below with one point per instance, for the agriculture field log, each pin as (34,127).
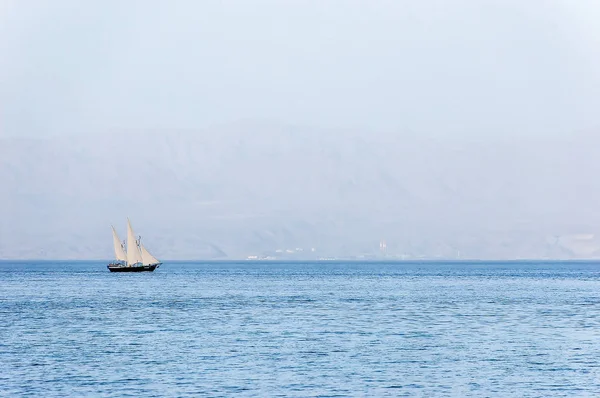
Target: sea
(301,329)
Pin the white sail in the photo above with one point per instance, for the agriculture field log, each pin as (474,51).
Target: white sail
(133,252)
(119,250)
(147,258)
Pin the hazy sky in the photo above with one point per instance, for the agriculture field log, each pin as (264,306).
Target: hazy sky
(436,67)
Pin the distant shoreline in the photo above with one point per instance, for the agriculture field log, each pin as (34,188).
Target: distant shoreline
(336,261)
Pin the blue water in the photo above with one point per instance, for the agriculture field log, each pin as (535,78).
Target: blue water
(317,329)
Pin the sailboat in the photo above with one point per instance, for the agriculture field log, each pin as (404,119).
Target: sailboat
(136,258)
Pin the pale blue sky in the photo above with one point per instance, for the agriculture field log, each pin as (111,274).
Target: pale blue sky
(431,67)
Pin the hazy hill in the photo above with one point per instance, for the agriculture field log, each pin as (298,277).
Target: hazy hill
(251,189)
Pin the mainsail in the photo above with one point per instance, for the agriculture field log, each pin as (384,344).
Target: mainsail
(119,250)
(147,258)
(133,253)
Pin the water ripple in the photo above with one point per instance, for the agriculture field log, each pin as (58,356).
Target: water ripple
(506,330)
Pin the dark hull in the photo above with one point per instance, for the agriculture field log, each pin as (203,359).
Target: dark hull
(142,268)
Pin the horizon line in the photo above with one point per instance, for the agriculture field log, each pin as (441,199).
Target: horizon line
(341,260)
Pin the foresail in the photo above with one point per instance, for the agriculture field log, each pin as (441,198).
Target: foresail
(133,253)
(147,258)
(119,251)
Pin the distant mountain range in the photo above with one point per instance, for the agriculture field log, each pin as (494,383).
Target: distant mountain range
(262,190)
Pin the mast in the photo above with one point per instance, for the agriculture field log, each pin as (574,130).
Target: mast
(119,249)
(133,253)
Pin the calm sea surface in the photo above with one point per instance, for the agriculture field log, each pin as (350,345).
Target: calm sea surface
(315,329)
